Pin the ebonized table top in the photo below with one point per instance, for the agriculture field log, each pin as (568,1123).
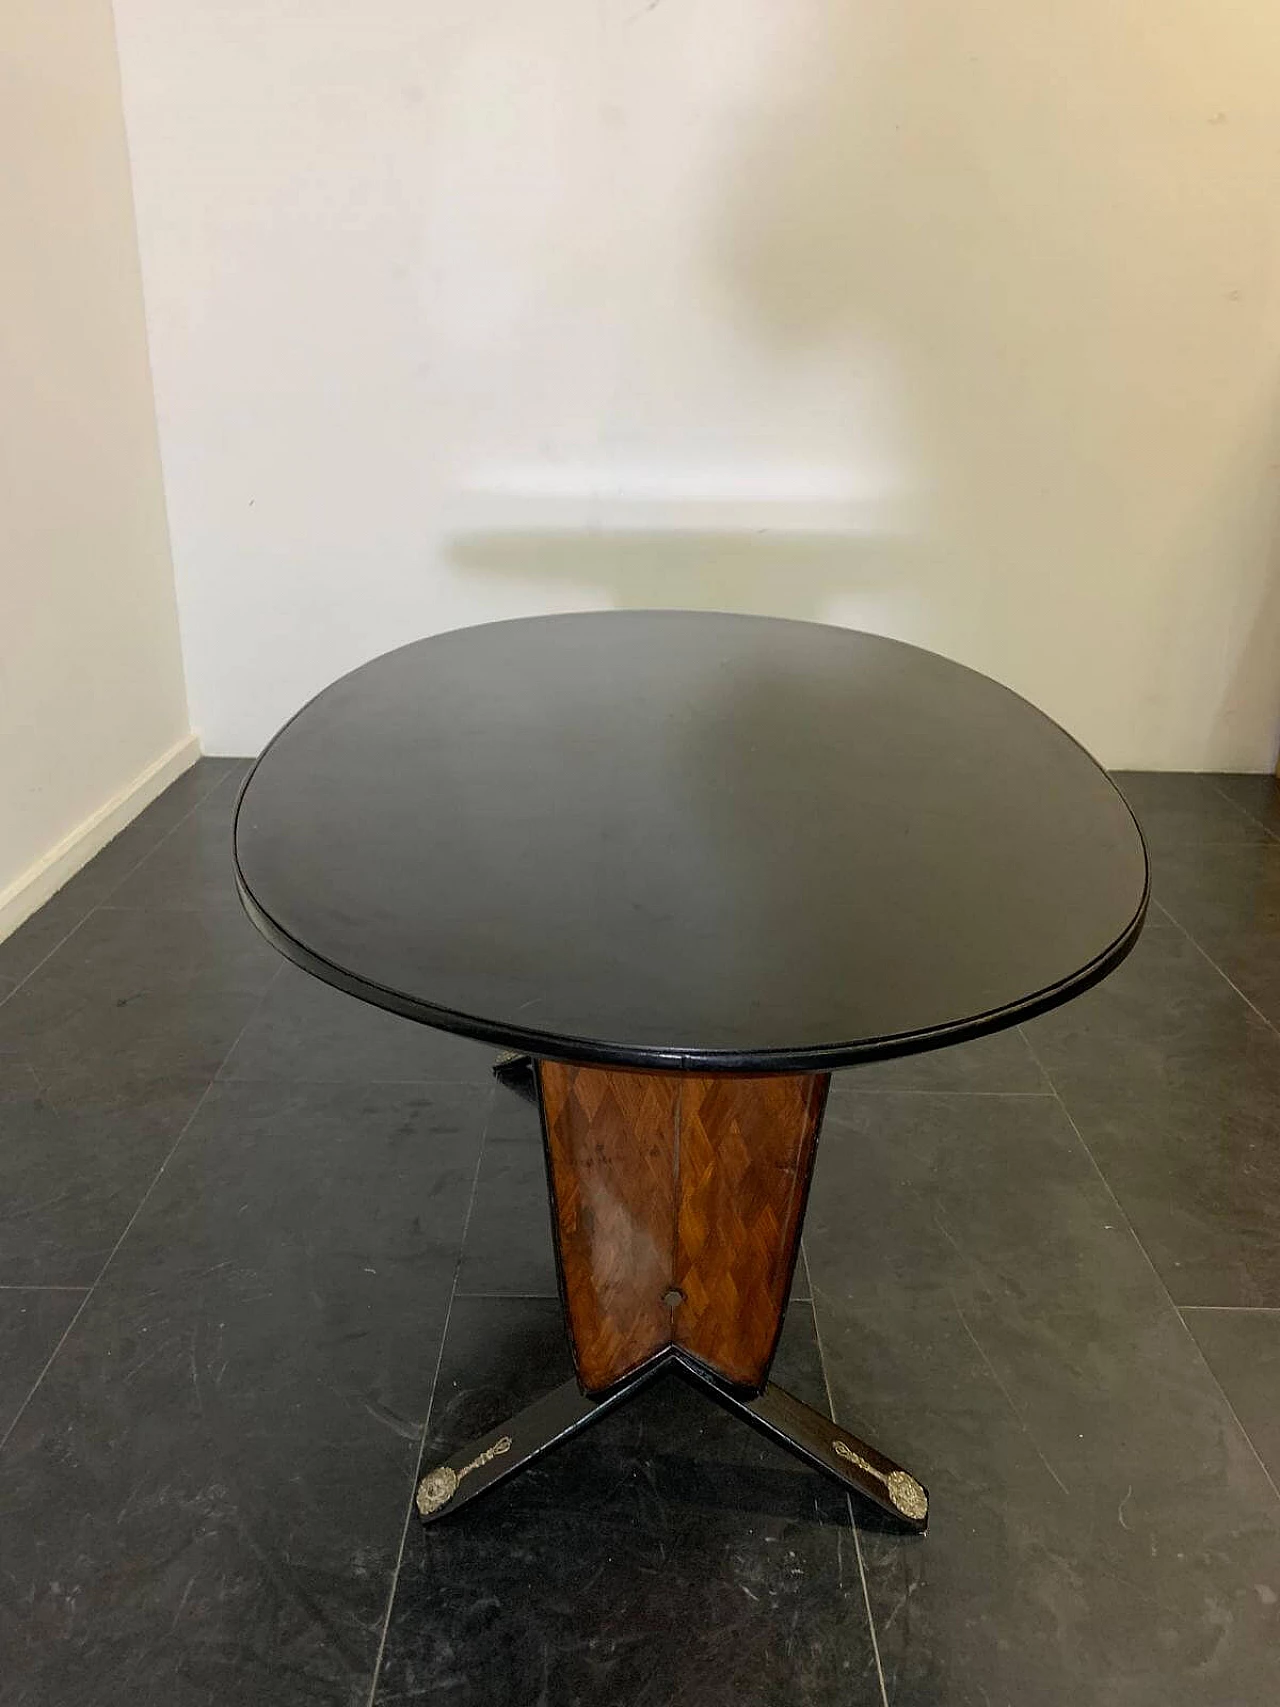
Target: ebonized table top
(674,840)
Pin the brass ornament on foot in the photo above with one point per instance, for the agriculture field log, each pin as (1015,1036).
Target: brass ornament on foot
(439,1486)
(905,1493)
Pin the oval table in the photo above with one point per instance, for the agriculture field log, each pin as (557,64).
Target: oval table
(684,865)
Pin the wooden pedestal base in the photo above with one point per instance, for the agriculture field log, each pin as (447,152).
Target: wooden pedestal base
(677,1201)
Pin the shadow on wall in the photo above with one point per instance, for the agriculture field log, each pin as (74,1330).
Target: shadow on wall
(1250,694)
(976,223)
(762,573)
(998,207)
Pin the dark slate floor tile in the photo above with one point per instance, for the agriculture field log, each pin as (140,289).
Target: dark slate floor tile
(204,1500)
(71,1178)
(307,1030)
(47,928)
(232,769)
(1242,1347)
(666,1554)
(136,999)
(32,1321)
(114,862)
(1174,1083)
(1001,1062)
(508,1249)
(193,786)
(1157,919)
(1259,796)
(1100,1530)
(193,866)
(1197,1173)
(1179,808)
(514,1119)
(1228,900)
(23,950)
(1165,1008)
(18,1082)
(205,781)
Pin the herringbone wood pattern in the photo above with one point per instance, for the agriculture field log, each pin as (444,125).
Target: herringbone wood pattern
(677,1182)
(746,1151)
(609,1154)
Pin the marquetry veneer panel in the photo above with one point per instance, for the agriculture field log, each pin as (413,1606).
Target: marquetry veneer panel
(677,1202)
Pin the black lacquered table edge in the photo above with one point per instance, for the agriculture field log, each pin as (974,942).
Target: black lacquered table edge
(812,1058)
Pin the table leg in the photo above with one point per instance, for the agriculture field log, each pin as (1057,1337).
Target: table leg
(829,1448)
(502,1451)
(677,1202)
(676,1205)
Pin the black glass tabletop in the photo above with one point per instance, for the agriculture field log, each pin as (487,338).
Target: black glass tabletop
(674,839)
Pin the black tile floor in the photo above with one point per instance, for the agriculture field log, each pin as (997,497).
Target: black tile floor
(259,1244)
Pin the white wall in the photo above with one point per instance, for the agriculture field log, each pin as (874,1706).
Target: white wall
(959,323)
(93,713)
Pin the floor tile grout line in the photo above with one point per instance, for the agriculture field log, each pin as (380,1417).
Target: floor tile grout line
(910,1091)
(44,960)
(279,1079)
(106,905)
(848,1498)
(1211,777)
(37,1286)
(1187,844)
(1232,1309)
(426,1421)
(511,1297)
(1226,977)
(99,906)
(205,904)
(1253,816)
(89,1291)
(128,1228)
(1161,1283)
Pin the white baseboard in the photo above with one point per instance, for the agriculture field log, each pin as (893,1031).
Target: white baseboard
(33,887)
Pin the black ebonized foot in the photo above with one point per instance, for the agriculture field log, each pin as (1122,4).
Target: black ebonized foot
(508,1448)
(832,1449)
(777,1413)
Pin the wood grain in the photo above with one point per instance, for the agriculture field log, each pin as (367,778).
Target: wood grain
(746,1153)
(677,1201)
(609,1159)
